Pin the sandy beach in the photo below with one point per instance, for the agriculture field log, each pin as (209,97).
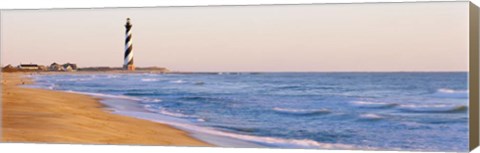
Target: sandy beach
(46,116)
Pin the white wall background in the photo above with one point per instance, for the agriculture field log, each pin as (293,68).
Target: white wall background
(62,148)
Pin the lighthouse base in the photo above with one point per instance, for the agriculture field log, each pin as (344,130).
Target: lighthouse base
(129,67)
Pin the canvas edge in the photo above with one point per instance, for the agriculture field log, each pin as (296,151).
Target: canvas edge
(474,60)
(1,78)
(234,5)
(474,65)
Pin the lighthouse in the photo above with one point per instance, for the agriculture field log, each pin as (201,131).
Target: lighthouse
(128,57)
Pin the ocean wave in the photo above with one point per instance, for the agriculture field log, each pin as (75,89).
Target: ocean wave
(199,83)
(196,98)
(77,79)
(446,90)
(163,111)
(434,108)
(415,108)
(52,86)
(149,79)
(371,116)
(291,87)
(140,94)
(267,141)
(112,76)
(206,99)
(444,121)
(177,81)
(237,129)
(450,93)
(294,143)
(305,112)
(138,99)
(107,95)
(368,104)
(169,113)
(155,100)
(234,73)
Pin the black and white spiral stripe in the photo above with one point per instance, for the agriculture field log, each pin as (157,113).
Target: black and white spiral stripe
(128,59)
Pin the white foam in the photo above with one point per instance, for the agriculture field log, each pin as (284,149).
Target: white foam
(112,76)
(79,79)
(178,81)
(107,95)
(370,104)
(435,108)
(153,100)
(446,90)
(52,86)
(287,110)
(163,111)
(450,93)
(425,105)
(279,142)
(371,116)
(149,79)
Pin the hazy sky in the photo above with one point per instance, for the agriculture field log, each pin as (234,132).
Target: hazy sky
(323,37)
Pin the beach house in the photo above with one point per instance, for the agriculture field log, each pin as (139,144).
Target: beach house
(9,68)
(28,67)
(42,68)
(55,67)
(69,67)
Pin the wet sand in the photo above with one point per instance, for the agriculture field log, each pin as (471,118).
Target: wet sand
(46,116)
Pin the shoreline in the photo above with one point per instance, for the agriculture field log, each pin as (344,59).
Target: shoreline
(121,103)
(47,116)
(126,106)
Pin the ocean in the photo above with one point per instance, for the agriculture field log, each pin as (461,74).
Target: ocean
(422,111)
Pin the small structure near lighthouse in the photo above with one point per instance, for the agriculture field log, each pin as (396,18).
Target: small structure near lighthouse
(128,57)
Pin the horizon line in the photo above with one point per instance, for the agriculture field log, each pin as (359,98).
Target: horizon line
(287,71)
(318,71)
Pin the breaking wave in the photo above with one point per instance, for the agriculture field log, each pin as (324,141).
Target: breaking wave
(107,95)
(177,81)
(414,108)
(268,141)
(367,104)
(451,93)
(165,112)
(446,90)
(152,100)
(439,108)
(149,79)
(371,116)
(301,112)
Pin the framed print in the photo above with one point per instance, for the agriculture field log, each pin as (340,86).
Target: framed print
(359,76)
